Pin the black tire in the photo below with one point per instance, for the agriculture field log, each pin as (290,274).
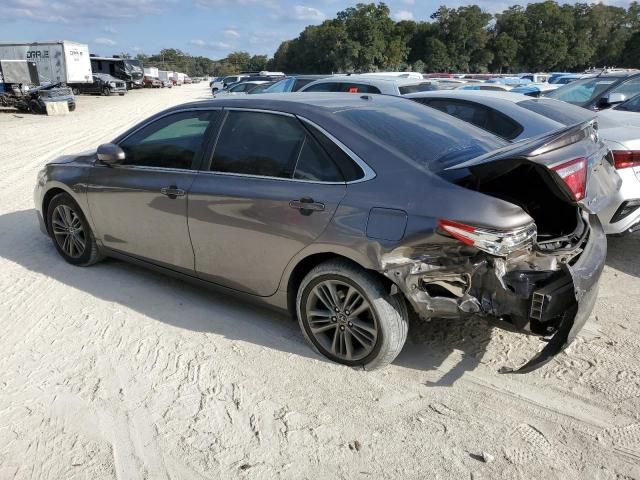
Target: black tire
(34,107)
(388,314)
(106,91)
(76,91)
(121,94)
(90,253)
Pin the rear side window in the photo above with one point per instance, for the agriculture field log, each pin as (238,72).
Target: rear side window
(561,112)
(479,115)
(254,143)
(418,87)
(323,87)
(314,164)
(632,105)
(173,141)
(301,82)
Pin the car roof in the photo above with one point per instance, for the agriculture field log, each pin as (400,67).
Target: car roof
(372,79)
(476,95)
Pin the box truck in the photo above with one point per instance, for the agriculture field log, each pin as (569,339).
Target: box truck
(151,72)
(60,61)
(166,77)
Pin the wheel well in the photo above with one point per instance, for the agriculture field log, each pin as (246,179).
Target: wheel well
(47,200)
(306,265)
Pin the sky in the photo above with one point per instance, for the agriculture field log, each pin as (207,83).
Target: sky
(211,28)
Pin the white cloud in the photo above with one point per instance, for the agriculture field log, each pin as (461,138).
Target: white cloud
(402,15)
(105,41)
(231,32)
(210,45)
(307,14)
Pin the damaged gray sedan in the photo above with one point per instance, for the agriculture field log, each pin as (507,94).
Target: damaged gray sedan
(350,212)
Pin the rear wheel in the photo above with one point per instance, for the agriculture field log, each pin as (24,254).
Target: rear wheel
(348,315)
(70,232)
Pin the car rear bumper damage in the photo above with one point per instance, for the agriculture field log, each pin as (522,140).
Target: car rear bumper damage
(550,295)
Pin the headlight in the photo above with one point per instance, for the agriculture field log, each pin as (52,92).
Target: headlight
(112,84)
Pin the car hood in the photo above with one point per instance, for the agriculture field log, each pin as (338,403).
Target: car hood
(87,157)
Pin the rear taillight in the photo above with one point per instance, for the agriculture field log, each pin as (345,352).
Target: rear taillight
(574,174)
(495,242)
(625,159)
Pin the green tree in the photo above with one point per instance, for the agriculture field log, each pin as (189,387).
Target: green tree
(505,50)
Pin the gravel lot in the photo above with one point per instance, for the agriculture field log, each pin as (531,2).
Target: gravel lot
(116,372)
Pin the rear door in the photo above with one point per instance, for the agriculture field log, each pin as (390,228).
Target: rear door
(269,190)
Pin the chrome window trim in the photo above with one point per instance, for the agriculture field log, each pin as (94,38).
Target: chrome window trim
(149,122)
(369,173)
(265,177)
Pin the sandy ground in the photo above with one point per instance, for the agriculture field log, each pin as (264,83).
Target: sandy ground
(116,372)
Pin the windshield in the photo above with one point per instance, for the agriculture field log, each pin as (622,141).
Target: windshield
(431,138)
(280,87)
(582,92)
(417,87)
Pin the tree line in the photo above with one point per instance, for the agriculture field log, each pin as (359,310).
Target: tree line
(542,36)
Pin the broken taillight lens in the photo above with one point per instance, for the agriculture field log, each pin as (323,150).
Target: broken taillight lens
(574,174)
(495,242)
(625,159)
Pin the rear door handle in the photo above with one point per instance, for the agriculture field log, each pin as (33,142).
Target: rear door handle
(173,192)
(307,206)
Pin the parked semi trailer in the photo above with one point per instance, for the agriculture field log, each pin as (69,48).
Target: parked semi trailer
(127,69)
(60,61)
(166,77)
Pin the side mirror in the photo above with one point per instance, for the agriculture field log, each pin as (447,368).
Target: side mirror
(612,99)
(110,154)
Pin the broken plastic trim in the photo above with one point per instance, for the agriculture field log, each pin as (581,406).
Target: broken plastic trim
(499,243)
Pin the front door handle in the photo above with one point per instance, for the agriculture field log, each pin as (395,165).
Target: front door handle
(173,192)
(307,206)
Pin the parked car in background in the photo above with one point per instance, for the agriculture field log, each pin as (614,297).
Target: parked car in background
(188,80)
(165,76)
(293,83)
(493,87)
(554,76)
(369,84)
(535,89)
(103,84)
(222,82)
(515,117)
(129,70)
(568,78)
(601,91)
(166,83)
(151,82)
(625,113)
(241,88)
(347,211)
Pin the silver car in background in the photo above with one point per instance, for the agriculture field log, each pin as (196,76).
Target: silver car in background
(387,85)
(516,117)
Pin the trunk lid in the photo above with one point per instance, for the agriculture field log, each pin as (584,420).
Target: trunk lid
(580,141)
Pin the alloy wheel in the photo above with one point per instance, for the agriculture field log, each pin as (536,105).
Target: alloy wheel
(68,231)
(341,320)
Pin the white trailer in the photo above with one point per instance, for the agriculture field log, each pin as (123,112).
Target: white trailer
(60,61)
(151,72)
(165,75)
(179,77)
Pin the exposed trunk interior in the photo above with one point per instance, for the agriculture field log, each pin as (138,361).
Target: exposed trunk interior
(530,187)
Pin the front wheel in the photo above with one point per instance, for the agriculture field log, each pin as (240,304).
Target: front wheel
(106,91)
(76,91)
(349,316)
(70,232)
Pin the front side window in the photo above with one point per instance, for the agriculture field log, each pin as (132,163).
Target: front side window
(632,105)
(173,141)
(629,89)
(239,88)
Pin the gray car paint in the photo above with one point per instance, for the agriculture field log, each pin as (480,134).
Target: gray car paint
(389,217)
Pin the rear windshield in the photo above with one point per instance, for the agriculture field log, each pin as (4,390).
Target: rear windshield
(557,111)
(431,138)
(418,87)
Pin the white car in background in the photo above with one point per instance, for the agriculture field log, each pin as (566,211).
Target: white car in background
(222,82)
(241,88)
(516,117)
(387,85)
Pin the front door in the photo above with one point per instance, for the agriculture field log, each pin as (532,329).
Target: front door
(139,207)
(270,191)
